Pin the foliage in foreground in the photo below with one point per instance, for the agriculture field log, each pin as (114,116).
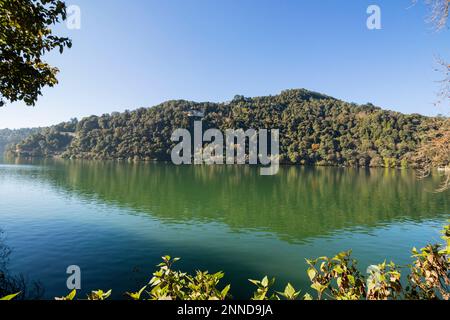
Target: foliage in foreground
(336,278)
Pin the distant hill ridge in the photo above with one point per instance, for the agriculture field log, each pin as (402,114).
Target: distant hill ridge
(315,129)
(13,136)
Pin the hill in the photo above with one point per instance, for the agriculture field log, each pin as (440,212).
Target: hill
(315,129)
(11,137)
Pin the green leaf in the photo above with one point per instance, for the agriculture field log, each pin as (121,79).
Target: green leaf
(351,279)
(255,282)
(265,281)
(107,294)
(318,287)
(312,274)
(338,269)
(225,291)
(136,295)
(10,297)
(339,281)
(71,295)
(307,297)
(290,293)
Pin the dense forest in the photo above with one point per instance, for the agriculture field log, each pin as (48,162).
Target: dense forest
(315,129)
(11,137)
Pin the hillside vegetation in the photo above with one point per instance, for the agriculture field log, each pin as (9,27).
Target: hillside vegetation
(12,137)
(314,130)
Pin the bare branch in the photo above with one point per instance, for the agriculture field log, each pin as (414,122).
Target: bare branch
(435,153)
(439,10)
(444,91)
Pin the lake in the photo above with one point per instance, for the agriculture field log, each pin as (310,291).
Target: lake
(115,220)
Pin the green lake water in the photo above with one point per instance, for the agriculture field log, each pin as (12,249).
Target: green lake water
(115,220)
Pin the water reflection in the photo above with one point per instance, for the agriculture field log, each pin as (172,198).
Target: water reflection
(13,283)
(297,204)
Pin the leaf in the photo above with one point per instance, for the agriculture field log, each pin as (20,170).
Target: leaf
(255,282)
(312,274)
(136,295)
(339,281)
(9,297)
(290,293)
(71,295)
(351,279)
(338,269)
(107,294)
(307,297)
(225,291)
(318,287)
(373,269)
(322,267)
(265,281)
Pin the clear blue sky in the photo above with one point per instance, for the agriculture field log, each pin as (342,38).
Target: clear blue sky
(138,53)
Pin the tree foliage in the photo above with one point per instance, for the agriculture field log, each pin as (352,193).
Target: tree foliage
(314,130)
(25,37)
(10,137)
(336,278)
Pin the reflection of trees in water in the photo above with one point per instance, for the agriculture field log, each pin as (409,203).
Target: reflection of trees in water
(10,284)
(296,204)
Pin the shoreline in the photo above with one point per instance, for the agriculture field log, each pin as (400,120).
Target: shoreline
(282,164)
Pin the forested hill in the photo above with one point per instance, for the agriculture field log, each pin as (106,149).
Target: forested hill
(314,129)
(11,137)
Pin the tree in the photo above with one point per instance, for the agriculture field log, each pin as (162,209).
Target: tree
(25,37)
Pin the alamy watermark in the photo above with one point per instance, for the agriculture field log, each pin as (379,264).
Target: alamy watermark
(374,20)
(73,21)
(74,280)
(209,147)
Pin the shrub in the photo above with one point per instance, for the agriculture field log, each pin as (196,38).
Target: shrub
(336,278)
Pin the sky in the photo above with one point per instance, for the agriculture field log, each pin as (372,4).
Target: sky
(139,53)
